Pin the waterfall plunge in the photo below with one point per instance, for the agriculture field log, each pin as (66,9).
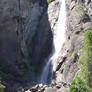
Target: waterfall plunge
(58,40)
(59,34)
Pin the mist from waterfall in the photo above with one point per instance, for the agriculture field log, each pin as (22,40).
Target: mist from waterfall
(58,40)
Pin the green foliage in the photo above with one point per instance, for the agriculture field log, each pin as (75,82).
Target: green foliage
(83,11)
(87,39)
(74,54)
(86,58)
(48,1)
(78,85)
(81,7)
(89,28)
(82,15)
(2,87)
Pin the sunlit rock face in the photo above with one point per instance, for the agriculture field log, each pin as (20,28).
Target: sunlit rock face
(58,41)
(66,64)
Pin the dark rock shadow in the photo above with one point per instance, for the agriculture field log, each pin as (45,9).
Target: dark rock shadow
(39,47)
(42,44)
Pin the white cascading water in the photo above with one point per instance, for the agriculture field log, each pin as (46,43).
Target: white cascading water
(58,40)
(47,71)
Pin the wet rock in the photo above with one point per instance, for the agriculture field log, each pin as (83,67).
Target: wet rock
(37,88)
(49,89)
(60,64)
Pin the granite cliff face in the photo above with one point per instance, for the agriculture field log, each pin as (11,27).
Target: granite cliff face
(79,20)
(26,40)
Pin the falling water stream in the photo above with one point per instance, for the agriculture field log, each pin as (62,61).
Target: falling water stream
(58,40)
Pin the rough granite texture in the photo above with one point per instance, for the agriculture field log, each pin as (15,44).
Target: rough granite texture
(26,40)
(67,65)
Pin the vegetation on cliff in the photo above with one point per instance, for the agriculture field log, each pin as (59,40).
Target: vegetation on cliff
(79,85)
(2,87)
(86,58)
(83,83)
(48,1)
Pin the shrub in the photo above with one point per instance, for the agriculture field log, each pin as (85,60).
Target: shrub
(81,7)
(2,87)
(86,58)
(89,28)
(74,54)
(78,85)
(48,1)
(83,17)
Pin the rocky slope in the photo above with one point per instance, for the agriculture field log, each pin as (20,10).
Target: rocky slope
(79,19)
(26,40)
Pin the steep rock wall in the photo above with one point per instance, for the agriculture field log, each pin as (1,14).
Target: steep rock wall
(79,19)
(25,40)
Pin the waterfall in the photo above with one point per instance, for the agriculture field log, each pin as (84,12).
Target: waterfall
(58,40)
(47,73)
(59,33)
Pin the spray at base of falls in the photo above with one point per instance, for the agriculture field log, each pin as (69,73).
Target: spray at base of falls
(46,76)
(58,40)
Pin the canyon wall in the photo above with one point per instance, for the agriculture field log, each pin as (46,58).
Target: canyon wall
(26,40)
(79,20)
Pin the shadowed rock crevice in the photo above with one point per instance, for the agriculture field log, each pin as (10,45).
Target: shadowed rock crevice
(60,64)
